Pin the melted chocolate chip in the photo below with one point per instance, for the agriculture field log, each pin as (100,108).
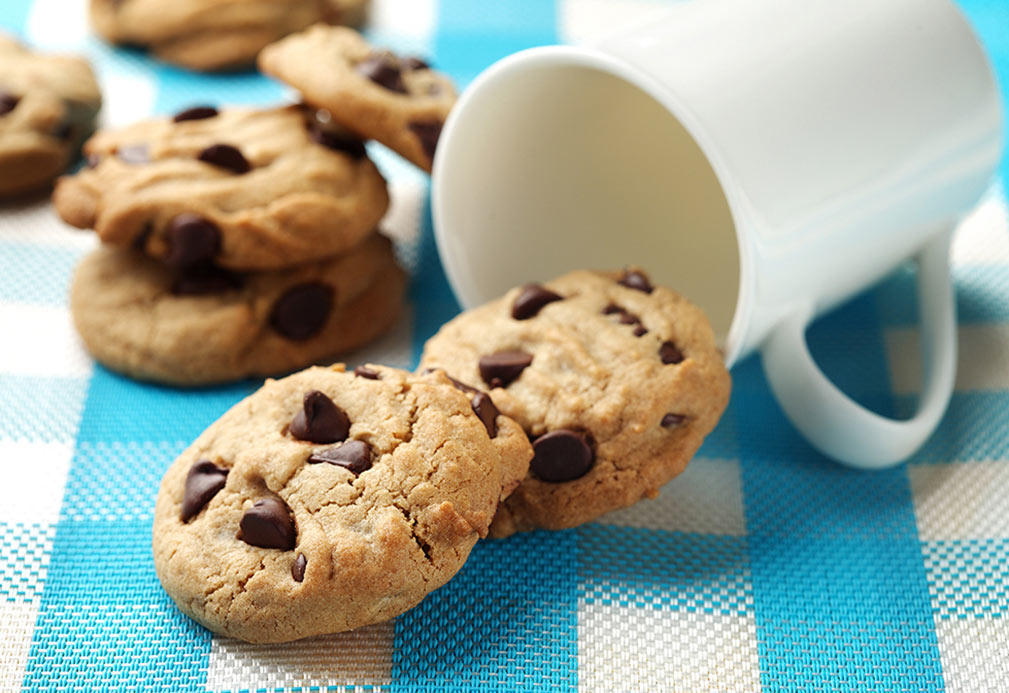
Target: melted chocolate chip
(487,412)
(354,455)
(191,240)
(561,455)
(629,318)
(531,299)
(320,421)
(428,132)
(298,568)
(504,367)
(8,102)
(203,482)
(635,279)
(134,154)
(613,308)
(413,63)
(205,279)
(195,113)
(669,353)
(302,310)
(225,156)
(673,420)
(640,330)
(268,524)
(383,69)
(365,372)
(336,140)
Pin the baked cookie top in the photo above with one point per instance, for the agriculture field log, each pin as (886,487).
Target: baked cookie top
(616,382)
(401,102)
(215,34)
(246,189)
(330,500)
(47,107)
(205,325)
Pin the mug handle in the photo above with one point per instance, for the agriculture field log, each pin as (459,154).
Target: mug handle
(838,426)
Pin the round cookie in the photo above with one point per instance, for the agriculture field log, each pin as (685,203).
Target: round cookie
(206,325)
(400,102)
(215,34)
(330,500)
(246,189)
(48,104)
(615,381)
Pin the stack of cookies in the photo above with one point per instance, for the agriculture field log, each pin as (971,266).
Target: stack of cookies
(242,242)
(332,499)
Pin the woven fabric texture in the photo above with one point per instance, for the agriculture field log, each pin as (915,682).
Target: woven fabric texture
(763,567)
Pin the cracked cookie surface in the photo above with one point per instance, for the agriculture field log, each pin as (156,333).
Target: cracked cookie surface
(205,325)
(48,104)
(616,382)
(215,34)
(400,102)
(271,187)
(268,529)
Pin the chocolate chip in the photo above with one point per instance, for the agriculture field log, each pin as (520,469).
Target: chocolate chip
(365,372)
(225,156)
(268,524)
(302,310)
(428,132)
(320,421)
(413,63)
(298,568)
(504,366)
(140,241)
(64,130)
(354,455)
(635,279)
(487,412)
(134,153)
(192,240)
(337,141)
(669,353)
(561,455)
(629,318)
(195,113)
(531,299)
(613,308)
(8,102)
(673,420)
(640,330)
(203,482)
(383,69)
(205,279)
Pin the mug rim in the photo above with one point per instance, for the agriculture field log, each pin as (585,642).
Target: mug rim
(596,59)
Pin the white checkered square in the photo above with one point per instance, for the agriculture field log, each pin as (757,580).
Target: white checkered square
(24,559)
(358,660)
(983,236)
(706,498)
(395,348)
(643,649)
(405,25)
(37,223)
(35,476)
(973,655)
(586,21)
(961,501)
(967,579)
(41,340)
(68,35)
(982,359)
(17,625)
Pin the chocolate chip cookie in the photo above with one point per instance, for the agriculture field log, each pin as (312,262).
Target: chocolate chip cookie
(330,500)
(48,104)
(204,324)
(401,102)
(245,189)
(215,34)
(615,381)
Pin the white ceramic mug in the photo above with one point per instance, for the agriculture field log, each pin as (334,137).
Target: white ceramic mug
(765,158)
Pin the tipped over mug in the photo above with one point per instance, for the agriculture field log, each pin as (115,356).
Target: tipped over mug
(767,159)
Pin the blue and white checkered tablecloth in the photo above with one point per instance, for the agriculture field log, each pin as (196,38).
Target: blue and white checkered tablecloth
(763,567)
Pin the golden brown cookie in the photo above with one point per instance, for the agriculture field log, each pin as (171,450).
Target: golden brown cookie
(401,102)
(48,104)
(215,34)
(616,382)
(206,325)
(245,189)
(330,500)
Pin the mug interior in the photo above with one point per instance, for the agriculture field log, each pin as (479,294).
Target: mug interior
(552,165)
